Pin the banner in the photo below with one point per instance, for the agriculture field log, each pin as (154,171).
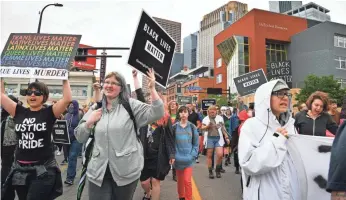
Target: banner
(311,156)
(248,83)
(60,132)
(43,56)
(103,67)
(206,103)
(280,70)
(153,48)
(182,100)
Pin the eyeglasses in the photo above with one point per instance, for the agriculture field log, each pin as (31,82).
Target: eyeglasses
(282,94)
(112,83)
(36,93)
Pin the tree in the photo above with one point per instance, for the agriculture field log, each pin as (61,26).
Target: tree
(220,99)
(326,84)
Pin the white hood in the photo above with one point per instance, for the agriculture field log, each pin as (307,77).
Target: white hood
(262,104)
(263,155)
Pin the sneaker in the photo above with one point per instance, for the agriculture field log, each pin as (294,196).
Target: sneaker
(68,182)
(218,175)
(222,170)
(211,174)
(237,171)
(58,153)
(64,162)
(197,161)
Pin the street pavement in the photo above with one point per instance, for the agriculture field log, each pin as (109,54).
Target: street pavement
(228,187)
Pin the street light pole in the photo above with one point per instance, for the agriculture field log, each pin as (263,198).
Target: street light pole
(41,13)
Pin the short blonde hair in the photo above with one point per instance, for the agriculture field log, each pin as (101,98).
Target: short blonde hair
(212,108)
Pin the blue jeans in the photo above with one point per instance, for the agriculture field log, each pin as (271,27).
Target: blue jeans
(75,148)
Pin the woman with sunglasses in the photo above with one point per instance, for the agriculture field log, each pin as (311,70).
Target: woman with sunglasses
(34,173)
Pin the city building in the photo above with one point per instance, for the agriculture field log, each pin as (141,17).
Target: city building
(201,77)
(177,64)
(212,24)
(283,6)
(320,49)
(81,86)
(190,50)
(173,29)
(252,42)
(310,11)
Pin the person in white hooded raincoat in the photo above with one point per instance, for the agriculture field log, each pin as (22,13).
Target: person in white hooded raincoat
(268,171)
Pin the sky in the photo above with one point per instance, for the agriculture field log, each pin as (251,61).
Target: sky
(113,23)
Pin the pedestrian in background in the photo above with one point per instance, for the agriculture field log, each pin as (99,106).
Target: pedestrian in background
(186,145)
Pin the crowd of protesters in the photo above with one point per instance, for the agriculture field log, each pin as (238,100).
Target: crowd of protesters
(143,139)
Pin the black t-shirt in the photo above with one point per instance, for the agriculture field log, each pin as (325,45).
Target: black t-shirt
(193,118)
(33,129)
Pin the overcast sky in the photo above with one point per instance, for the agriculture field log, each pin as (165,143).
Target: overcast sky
(113,23)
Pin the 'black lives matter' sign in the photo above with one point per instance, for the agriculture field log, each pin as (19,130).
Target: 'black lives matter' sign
(60,132)
(152,48)
(280,70)
(248,83)
(206,103)
(32,55)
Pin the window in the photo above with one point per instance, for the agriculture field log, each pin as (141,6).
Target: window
(11,89)
(55,91)
(218,78)
(79,91)
(341,62)
(219,62)
(340,41)
(275,52)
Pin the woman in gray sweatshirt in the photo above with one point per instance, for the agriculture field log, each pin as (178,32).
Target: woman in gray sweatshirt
(117,157)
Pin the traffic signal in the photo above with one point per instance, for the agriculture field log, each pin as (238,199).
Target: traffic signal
(81,52)
(214,90)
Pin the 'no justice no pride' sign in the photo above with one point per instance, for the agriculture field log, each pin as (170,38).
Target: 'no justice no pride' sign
(31,55)
(152,48)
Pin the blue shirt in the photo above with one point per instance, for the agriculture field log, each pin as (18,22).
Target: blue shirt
(186,145)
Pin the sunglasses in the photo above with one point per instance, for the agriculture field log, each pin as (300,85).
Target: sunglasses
(36,92)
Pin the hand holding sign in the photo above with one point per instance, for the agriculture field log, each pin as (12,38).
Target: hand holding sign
(134,73)
(282,131)
(151,76)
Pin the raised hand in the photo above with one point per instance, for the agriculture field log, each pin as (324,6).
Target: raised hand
(151,76)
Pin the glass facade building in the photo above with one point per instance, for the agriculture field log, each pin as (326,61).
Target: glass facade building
(190,51)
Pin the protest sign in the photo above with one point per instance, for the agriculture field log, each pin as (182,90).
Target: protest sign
(311,157)
(280,70)
(182,100)
(44,56)
(60,132)
(153,48)
(206,103)
(248,83)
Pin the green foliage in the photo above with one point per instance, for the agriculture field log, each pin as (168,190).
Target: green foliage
(326,84)
(220,99)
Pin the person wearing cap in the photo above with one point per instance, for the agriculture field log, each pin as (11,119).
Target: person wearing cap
(267,168)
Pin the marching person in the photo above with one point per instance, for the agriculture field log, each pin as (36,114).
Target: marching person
(316,120)
(194,119)
(214,135)
(8,146)
(267,168)
(35,174)
(117,156)
(333,111)
(227,147)
(337,176)
(173,112)
(72,117)
(186,145)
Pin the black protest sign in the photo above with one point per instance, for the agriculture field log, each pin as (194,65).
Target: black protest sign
(103,67)
(182,100)
(60,132)
(152,48)
(32,55)
(280,70)
(206,103)
(248,83)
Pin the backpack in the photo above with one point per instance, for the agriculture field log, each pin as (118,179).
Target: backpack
(90,145)
(192,128)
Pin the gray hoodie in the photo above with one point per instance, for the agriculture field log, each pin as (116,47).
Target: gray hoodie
(116,144)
